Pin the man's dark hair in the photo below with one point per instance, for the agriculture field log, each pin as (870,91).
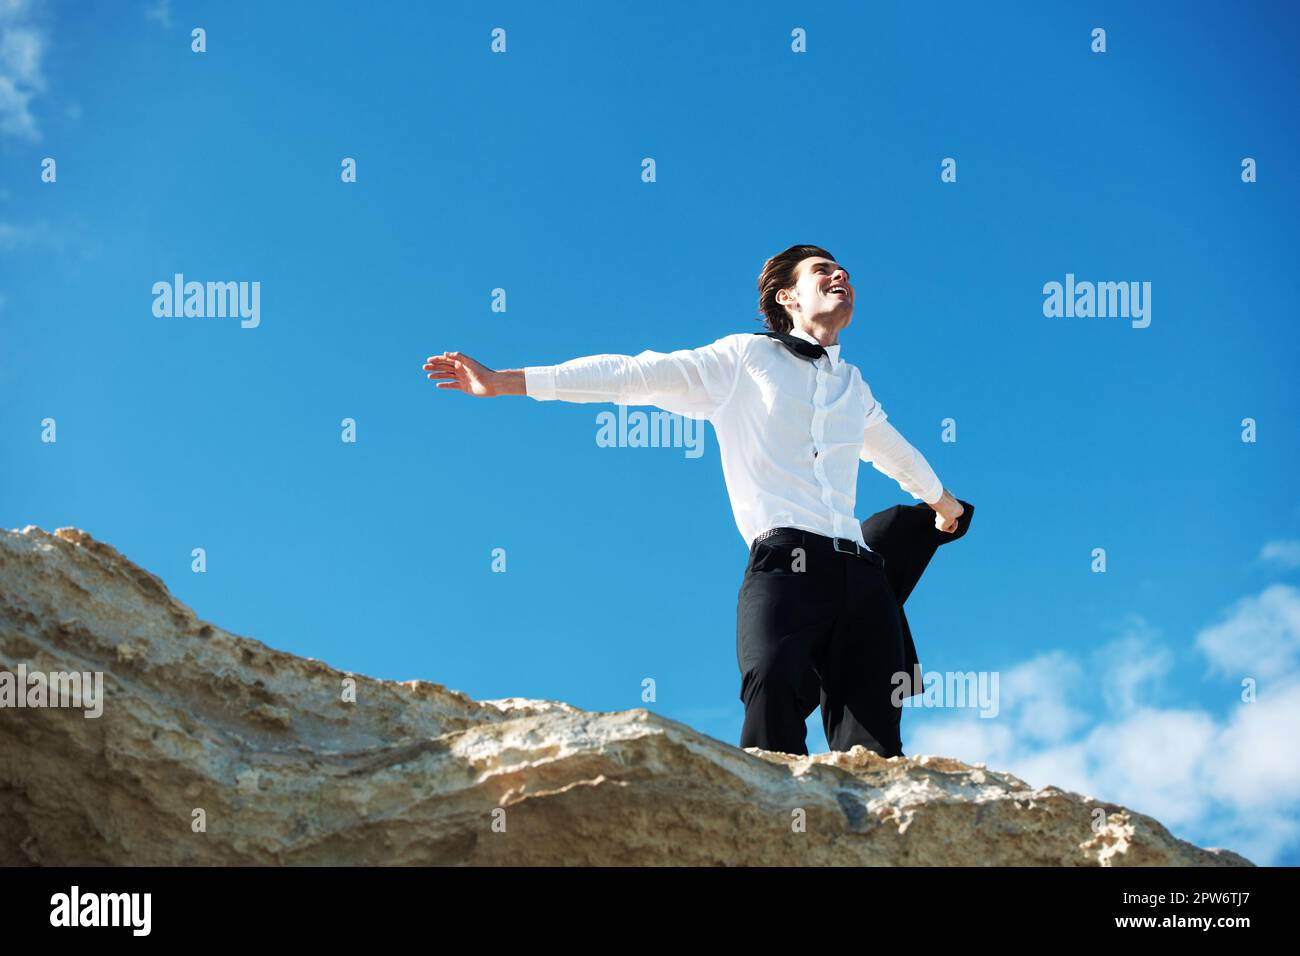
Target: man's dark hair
(779,273)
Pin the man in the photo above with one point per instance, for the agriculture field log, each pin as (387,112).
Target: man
(793,420)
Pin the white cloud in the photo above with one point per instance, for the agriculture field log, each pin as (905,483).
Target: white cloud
(1258,748)
(1132,665)
(1153,760)
(13,236)
(1285,553)
(1225,776)
(1259,636)
(160,11)
(21,236)
(1040,687)
(23,43)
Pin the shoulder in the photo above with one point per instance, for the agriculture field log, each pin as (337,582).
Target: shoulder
(737,343)
(855,376)
(759,341)
(869,401)
(860,383)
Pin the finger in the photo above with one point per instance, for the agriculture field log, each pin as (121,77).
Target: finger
(455,385)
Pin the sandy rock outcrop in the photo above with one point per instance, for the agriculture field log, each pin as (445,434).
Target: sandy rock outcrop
(212,748)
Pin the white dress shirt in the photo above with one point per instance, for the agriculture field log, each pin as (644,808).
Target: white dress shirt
(790,431)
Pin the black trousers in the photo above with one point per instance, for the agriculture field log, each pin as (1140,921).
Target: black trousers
(804,604)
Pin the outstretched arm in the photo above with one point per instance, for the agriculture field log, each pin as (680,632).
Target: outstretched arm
(892,455)
(692,382)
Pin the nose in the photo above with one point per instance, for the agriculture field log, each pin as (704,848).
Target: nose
(839,275)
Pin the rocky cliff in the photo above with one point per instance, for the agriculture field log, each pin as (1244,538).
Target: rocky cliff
(210,748)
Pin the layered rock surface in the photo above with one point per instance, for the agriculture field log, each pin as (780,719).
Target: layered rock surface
(215,749)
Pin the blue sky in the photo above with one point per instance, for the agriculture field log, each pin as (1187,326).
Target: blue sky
(522,171)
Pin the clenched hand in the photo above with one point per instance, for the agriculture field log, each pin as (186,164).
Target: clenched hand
(946,512)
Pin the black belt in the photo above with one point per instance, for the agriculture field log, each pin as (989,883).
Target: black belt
(845,545)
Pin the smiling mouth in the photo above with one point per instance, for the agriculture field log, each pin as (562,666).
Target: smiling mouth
(838,290)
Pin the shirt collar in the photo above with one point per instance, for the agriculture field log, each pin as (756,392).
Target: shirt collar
(832,350)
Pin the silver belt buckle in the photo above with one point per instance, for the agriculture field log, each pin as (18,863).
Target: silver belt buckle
(855,550)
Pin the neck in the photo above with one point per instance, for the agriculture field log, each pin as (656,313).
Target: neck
(824,334)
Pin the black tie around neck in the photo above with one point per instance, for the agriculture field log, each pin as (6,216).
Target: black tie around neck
(800,347)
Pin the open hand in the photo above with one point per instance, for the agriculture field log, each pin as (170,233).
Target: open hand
(462,373)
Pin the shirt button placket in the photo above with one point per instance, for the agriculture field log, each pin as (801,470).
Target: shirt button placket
(819,437)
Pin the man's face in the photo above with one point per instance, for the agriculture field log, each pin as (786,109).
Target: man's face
(821,292)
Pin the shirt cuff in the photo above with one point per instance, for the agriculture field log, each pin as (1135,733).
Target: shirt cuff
(539,382)
(935,493)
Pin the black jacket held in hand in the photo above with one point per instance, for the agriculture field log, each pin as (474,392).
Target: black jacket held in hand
(905,536)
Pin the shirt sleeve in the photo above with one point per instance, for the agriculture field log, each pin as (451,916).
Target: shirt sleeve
(690,382)
(891,455)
